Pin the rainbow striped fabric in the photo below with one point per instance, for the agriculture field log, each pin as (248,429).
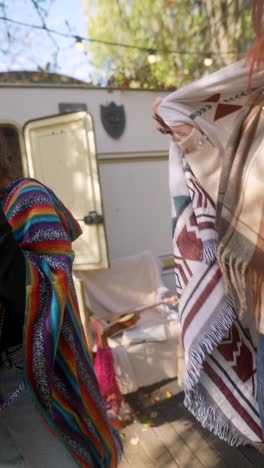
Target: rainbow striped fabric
(59,373)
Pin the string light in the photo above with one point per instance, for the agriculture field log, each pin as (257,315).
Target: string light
(208,61)
(81,41)
(153,57)
(79,45)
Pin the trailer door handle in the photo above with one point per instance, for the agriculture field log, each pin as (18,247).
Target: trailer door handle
(93,218)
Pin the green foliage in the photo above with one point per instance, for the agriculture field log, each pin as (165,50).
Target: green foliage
(192,28)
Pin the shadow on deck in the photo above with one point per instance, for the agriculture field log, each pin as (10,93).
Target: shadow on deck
(159,432)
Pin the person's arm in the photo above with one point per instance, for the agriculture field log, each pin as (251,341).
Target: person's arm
(178,133)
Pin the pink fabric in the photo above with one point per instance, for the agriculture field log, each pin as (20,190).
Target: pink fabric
(105,373)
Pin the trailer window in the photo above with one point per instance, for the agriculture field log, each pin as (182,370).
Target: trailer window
(10,134)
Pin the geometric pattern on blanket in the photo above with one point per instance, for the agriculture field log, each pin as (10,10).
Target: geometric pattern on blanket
(222,108)
(200,226)
(230,377)
(220,379)
(239,355)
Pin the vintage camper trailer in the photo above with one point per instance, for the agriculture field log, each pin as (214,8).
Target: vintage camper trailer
(98,149)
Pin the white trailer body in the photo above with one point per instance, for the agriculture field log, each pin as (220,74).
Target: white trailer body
(123,179)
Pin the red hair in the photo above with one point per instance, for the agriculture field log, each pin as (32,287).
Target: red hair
(255,55)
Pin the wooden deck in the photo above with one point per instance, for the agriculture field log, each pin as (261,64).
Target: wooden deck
(160,433)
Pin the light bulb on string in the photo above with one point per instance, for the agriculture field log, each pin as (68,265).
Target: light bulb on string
(208,61)
(79,45)
(152,56)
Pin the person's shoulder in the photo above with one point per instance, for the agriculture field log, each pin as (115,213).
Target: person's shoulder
(27,183)
(31,194)
(27,192)
(28,187)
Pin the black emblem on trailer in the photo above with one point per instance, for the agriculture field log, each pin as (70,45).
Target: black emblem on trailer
(113,119)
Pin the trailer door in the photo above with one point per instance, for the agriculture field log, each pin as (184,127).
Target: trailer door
(61,153)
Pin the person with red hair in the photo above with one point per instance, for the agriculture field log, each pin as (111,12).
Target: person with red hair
(255,55)
(216,185)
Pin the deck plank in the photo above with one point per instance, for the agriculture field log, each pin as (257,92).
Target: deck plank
(209,456)
(124,462)
(185,426)
(253,455)
(155,448)
(176,439)
(183,456)
(210,448)
(232,456)
(136,455)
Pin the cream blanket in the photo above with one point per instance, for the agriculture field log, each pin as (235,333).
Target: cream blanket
(220,383)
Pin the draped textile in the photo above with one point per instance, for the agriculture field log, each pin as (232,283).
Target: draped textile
(59,373)
(240,213)
(220,353)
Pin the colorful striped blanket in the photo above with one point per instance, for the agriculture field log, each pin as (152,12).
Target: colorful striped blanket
(58,370)
(220,352)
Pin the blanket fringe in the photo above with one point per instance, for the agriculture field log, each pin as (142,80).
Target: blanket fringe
(233,270)
(209,341)
(246,283)
(213,420)
(209,251)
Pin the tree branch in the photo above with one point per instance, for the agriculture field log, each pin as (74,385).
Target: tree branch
(42,18)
